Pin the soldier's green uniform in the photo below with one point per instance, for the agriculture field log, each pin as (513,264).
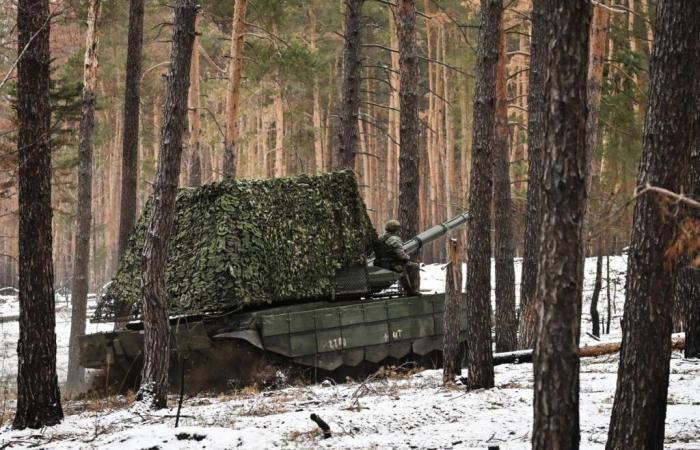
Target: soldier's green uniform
(391,255)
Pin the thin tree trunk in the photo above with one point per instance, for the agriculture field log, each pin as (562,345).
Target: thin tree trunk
(233,96)
(154,378)
(639,409)
(279,131)
(560,280)
(479,353)
(596,56)
(409,158)
(394,135)
(595,317)
(607,289)
(130,125)
(535,147)
(506,322)
(195,172)
(79,289)
(453,300)
(130,137)
(38,397)
(348,135)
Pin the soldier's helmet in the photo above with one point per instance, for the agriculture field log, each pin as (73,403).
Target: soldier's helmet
(392,226)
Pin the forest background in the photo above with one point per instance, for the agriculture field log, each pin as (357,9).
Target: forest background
(289,109)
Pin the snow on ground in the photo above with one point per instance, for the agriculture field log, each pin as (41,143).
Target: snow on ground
(396,409)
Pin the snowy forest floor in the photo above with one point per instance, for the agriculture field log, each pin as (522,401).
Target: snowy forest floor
(391,409)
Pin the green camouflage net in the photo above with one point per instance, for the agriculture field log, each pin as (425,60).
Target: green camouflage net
(247,243)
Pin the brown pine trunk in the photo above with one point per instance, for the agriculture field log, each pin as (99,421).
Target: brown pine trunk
(280,165)
(596,56)
(453,299)
(639,409)
(479,353)
(233,96)
(409,158)
(394,137)
(154,379)
(348,134)
(535,147)
(195,169)
(130,138)
(560,283)
(130,125)
(38,398)
(504,249)
(79,288)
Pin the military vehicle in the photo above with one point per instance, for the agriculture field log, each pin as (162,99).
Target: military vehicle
(364,321)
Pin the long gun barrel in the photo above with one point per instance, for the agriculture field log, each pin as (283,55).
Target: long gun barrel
(434,233)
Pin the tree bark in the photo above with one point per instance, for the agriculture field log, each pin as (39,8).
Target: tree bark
(639,409)
(233,96)
(130,125)
(595,317)
(195,169)
(393,134)
(506,322)
(690,282)
(79,288)
(280,165)
(348,134)
(38,397)
(536,102)
(478,287)
(453,299)
(130,137)
(409,153)
(561,253)
(154,379)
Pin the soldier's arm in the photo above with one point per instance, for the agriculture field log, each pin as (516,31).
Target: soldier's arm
(397,248)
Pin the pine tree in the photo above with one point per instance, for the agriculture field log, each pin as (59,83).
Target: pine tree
(156,355)
(479,353)
(79,288)
(561,254)
(38,397)
(409,154)
(639,409)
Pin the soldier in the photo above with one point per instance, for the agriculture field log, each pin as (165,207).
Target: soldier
(391,255)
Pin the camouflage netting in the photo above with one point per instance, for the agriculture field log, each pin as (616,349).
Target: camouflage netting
(245,243)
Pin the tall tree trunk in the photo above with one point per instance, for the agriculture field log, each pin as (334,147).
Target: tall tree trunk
(639,409)
(535,147)
(130,125)
(156,356)
(38,398)
(319,165)
(195,172)
(479,353)
(352,66)
(506,322)
(595,317)
(393,138)
(596,57)
(130,136)
(233,96)
(79,289)
(690,281)
(279,130)
(560,280)
(409,157)
(451,316)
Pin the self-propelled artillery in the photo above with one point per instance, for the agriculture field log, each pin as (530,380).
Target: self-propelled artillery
(336,311)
